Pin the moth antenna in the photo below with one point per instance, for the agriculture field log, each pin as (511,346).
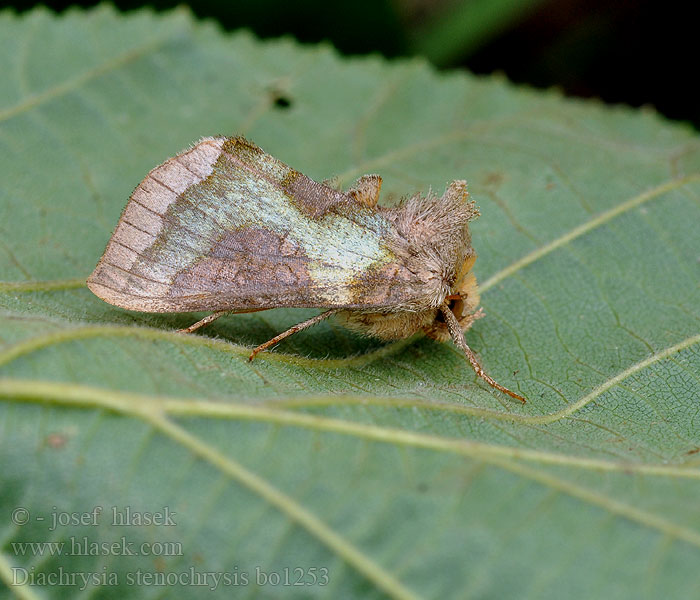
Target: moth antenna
(459,339)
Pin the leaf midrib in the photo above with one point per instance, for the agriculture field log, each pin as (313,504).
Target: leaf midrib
(510,459)
(68,394)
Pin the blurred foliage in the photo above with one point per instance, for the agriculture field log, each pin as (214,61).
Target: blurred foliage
(630,51)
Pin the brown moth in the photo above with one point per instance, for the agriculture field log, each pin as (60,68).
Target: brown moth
(225,227)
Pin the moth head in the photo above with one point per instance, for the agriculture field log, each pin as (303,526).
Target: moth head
(438,228)
(463,301)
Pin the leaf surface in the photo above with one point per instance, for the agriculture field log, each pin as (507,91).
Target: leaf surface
(390,466)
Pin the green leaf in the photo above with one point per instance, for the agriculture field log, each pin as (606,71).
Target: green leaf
(390,468)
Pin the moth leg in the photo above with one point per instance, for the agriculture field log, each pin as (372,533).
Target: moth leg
(202,322)
(292,330)
(458,338)
(366,190)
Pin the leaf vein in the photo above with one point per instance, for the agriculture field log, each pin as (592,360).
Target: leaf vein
(586,227)
(76,82)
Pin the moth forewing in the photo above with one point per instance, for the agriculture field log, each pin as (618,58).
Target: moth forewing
(225,227)
(121,277)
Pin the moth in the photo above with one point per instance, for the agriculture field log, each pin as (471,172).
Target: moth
(225,227)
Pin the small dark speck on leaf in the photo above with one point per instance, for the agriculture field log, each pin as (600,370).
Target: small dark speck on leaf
(494,178)
(56,440)
(160,564)
(280,100)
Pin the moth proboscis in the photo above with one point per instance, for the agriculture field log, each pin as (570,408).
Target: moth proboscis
(225,227)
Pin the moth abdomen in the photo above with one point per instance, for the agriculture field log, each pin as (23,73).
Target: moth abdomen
(387,325)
